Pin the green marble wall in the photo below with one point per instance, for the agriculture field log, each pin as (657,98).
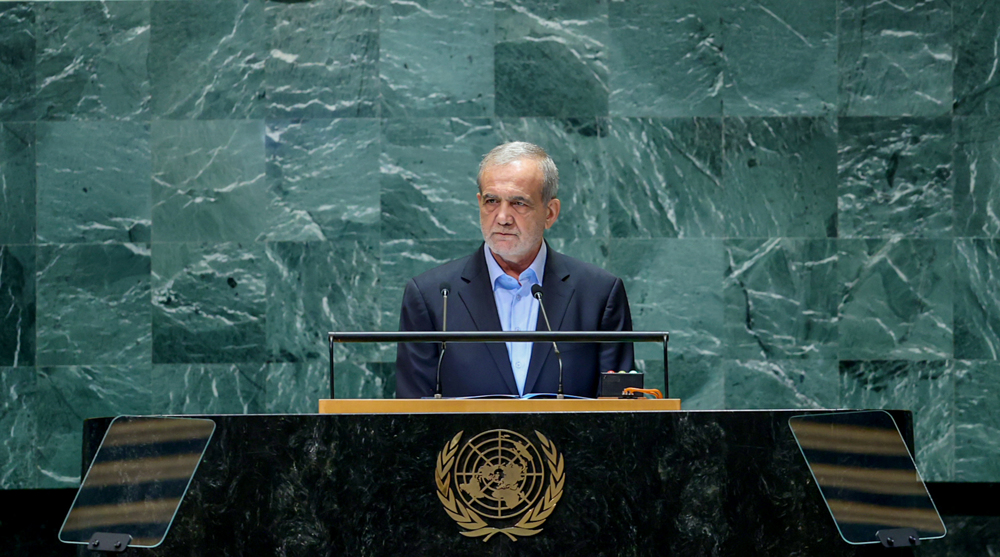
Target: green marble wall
(195,191)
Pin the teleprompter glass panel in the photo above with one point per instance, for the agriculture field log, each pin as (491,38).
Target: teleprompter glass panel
(138,479)
(866,475)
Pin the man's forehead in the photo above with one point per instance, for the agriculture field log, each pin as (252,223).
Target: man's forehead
(524,175)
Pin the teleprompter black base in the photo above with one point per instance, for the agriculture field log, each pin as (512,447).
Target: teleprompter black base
(673,483)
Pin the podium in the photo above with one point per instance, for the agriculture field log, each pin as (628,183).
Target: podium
(376,478)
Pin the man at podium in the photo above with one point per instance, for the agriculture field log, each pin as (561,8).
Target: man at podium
(491,290)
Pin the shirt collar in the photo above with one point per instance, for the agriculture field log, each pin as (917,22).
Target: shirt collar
(538,265)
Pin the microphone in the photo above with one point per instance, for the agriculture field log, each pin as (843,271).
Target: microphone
(445,289)
(536,291)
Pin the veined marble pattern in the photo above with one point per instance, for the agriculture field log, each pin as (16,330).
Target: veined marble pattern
(93,182)
(209,388)
(323,179)
(895,177)
(895,58)
(19,422)
(18,186)
(926,388)
(781,57)
(896,299)
(17,298)
(92,60)
(665,58)
(550,58)
(84,288)
(977,30)
(449,75)
(782,384)
(296,388)
(17,61)
(977,171)
(977,299)
(322,59)
(977,421)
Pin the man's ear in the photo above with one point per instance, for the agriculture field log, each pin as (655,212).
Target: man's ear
(553,212)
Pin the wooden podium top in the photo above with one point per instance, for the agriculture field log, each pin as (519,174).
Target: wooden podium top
(493,405)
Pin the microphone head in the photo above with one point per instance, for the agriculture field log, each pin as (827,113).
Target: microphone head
(536,291)
(445,288)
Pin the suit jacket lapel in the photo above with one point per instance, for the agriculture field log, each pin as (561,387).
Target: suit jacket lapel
(557,293)
(476,293)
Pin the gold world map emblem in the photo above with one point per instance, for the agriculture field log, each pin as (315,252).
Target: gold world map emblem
(499,483)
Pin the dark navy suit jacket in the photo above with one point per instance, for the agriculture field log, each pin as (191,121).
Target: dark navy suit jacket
(578,297)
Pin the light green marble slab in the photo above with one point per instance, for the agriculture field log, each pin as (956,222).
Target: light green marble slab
(67,395)
(665,58)
(209,388)
(322,179)
(977,172)
(781,57)
(977,421)
(207,59)
(436,58)
(976,56)
(93,304)
(550,58)
(17,296)
(781,299)
(209,303)
(977,299)
(781,384)
(296,388)
(895,58)
(779,177)
(209,181)
(17,177)
(895,177)
(928,389)
(17,65)
(93,182)
(665,178)
(19,421)
(322,58)
(698,380)
(92,60)
(897,299)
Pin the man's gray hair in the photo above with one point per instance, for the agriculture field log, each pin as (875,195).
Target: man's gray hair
(515,150)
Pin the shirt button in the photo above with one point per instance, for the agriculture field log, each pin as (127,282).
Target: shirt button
(519,365)
(518,297)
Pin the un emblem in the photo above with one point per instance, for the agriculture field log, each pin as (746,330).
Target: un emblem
(499,483)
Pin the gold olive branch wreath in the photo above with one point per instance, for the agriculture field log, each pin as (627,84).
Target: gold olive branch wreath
(530,522)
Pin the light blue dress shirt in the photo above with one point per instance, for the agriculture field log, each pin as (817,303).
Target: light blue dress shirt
(518,309)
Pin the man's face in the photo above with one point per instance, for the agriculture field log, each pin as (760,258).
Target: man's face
(511,211)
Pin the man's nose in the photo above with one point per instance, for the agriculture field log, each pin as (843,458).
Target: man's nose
(505,214)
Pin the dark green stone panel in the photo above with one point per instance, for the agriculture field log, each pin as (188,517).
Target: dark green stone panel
(209,389)
(698,380)
(925,388)
(17,60)
(895,177)
(781,299)
(296,388)
(665,177)
(92,60)
(977,177)
(897,299)
(209,181)
(17,177)
(436,58)
(576,146)
(977,299)
(977,83)
(323,179)
(895,58)
(93,182)
(207,58)
(665,58)
(977,421)
(67,395)
(550,58)
(209,303)
(428,177)
(17,297)
(358,379)
(323,58)
(673,285)
(781,57)
(93,304)
(779,177)
(782,384)
(318,287)
(19,421)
